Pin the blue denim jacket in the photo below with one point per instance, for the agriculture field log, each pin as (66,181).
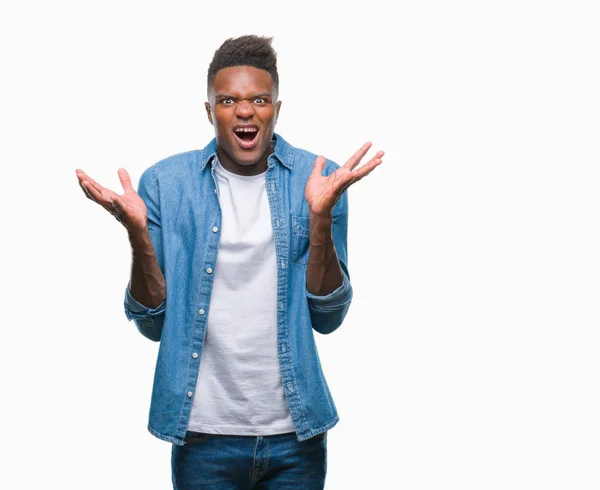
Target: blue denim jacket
(184,220)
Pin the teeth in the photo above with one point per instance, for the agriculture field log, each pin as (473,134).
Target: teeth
(246,130)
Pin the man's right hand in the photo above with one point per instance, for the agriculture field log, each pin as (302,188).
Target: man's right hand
(128,208)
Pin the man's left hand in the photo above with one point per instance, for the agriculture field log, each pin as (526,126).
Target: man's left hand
(322,192)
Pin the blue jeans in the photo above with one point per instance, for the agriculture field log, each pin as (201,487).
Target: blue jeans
(221,462)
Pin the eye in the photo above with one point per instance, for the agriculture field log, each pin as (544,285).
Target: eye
(259,101)
(227,101)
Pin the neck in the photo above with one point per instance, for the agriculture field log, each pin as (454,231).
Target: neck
(234,167)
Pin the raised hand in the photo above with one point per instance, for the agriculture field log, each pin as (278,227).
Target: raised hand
(323,192)
(128,208)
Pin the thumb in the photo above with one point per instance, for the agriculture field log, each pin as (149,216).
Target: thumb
(125,180)
(318,166)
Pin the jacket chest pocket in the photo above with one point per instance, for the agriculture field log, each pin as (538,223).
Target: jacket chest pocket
(299,240)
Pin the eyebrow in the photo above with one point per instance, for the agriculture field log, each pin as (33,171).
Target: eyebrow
(225,96)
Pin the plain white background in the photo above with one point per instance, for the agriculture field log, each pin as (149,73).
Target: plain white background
(469,357)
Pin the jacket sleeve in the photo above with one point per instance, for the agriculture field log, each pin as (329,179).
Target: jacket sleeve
(149,321)
(327,312)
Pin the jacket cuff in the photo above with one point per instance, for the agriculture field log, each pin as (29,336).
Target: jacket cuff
(134,309)
(335,300)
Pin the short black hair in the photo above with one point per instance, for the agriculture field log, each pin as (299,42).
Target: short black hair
(249,50)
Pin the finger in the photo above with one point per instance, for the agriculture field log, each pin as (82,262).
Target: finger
(360,178)
(343,189)
(318,166)
(357,157)
(81,175)
(88,191)
(369,166)
(85,191)
(377,158)
(92,191)
(358,174)
(361,173)
(343,183)
(125,180)
(93,186)
(118,207)
(101,197)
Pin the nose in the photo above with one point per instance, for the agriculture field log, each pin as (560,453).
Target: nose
(244,109)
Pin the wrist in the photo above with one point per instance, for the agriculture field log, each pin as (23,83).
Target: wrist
(320,220)
(138,236)
(320,228)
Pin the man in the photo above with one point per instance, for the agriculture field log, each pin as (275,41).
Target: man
(239,252)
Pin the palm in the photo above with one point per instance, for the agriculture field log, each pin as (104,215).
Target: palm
(129,208)
(322,192)
(134,209)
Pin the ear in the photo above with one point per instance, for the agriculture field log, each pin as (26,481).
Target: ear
(208,112)
(277,108)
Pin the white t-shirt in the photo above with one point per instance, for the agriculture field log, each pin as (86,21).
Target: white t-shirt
(239,389)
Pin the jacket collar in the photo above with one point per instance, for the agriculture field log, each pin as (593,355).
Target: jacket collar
(283,153)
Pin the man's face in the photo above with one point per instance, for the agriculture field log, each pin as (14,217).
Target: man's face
(243,108)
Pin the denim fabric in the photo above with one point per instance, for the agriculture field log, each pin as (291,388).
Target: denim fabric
(278,462)
(184,220)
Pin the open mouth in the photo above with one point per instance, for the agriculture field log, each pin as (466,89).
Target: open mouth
(247,136)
